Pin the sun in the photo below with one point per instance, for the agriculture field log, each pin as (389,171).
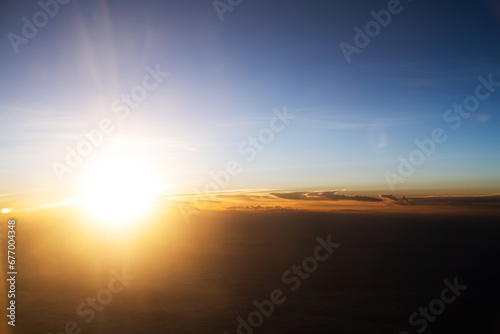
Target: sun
(118,191)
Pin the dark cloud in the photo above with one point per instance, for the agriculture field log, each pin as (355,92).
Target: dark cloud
(490,200)
(325,196)
(397,200)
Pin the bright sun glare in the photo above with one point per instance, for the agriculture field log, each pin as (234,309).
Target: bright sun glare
(118,191)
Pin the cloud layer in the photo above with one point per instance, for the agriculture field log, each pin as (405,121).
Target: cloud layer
(338,200)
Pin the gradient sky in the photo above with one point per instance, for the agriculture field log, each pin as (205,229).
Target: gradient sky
(352,120)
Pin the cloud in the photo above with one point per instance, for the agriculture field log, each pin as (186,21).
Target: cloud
(391,199)
(245,197)
(325,196)
(259,207)
(490,200)
(272,200)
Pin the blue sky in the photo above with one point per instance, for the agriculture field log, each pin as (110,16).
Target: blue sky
(225,78)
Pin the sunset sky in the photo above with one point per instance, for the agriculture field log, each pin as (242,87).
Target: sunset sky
(351,121)
(250,166)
